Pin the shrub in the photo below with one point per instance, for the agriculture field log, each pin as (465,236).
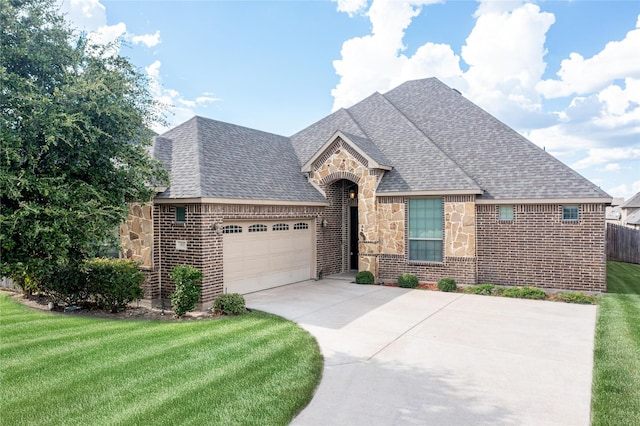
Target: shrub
(407,281)
(187,293)
(229,304)
(525,292)
(68,285)
(114,283)
(484,289)
(447,284)
(365,277)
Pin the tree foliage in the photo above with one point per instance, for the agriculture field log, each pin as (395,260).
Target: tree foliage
(74,120)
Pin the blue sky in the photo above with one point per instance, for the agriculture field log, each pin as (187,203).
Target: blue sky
(566,74)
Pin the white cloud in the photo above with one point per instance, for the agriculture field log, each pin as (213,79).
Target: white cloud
(179,108)
(577,75)
(201,100)
(505,53)
(503,71)
(375,63)
(351,7)
(558,141)
(612,167)
(625,191)
(149,40)
(597,156)
(107,34)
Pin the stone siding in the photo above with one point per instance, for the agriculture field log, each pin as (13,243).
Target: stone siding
(136,234)
(538,248)
(459,229)
(391,224)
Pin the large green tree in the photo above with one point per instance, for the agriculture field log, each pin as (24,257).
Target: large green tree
(74,120)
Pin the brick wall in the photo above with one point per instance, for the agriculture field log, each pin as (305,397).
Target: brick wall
(332,253)
(204,244)
(538,248)
(461,269)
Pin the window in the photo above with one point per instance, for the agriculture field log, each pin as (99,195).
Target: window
(569,212)
(258,228)
(506,213)
(425,229)
(181,214)
(301,226)
(232,229)
(280,227)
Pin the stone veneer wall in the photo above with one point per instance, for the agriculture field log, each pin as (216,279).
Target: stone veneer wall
(204,244)
(341,161)
(459,236)
(136,234)
(538,248)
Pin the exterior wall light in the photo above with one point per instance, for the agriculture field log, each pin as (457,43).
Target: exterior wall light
(352,193)
(325,223)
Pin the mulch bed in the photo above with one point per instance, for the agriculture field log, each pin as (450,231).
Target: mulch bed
(131,312)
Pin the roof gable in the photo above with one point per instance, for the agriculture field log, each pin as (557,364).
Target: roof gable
(632,203)
(371,155)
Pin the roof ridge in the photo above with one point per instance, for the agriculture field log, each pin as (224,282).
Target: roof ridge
(466,175)
(199,163)
(358,124)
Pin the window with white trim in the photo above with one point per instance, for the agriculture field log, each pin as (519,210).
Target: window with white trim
(280,227)
(425,229)
(506,213)
(570,213)
(301,226)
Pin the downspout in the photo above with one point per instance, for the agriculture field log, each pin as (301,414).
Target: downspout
(160,258)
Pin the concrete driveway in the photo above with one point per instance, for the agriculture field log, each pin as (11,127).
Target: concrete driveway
(396,356)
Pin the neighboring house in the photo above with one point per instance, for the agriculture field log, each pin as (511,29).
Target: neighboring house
(613,212)
(418,180)
(630,212)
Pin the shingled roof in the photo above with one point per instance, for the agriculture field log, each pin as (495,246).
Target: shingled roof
(212,159)
(434,139)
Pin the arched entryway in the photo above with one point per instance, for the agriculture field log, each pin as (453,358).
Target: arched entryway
(340,233)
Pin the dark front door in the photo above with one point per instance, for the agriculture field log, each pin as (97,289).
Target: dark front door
(353,237)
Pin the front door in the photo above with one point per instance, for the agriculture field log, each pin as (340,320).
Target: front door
(353,237)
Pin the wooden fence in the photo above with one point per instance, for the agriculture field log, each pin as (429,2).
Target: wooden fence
(623,243)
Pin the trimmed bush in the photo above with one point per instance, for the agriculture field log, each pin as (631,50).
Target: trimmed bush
(407,281)
(447,284)
(114,283)
(525,292)
(68,285)
(365,277)
(187,293)
(229,304)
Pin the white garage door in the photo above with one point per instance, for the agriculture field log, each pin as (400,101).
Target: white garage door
(262,254)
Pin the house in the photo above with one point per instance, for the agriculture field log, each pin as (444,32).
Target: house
(630,212)
(418,180)
(613,212)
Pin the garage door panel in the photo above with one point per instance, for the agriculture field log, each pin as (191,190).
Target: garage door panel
(254,261)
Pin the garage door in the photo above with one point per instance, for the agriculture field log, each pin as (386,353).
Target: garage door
(262,254)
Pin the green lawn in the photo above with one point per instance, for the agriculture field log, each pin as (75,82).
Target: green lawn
(616,374)
(60,369)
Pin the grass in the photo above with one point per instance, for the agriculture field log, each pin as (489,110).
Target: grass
(616,374)
(57,369)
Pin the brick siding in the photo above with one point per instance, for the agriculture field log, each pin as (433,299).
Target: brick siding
(538,248)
